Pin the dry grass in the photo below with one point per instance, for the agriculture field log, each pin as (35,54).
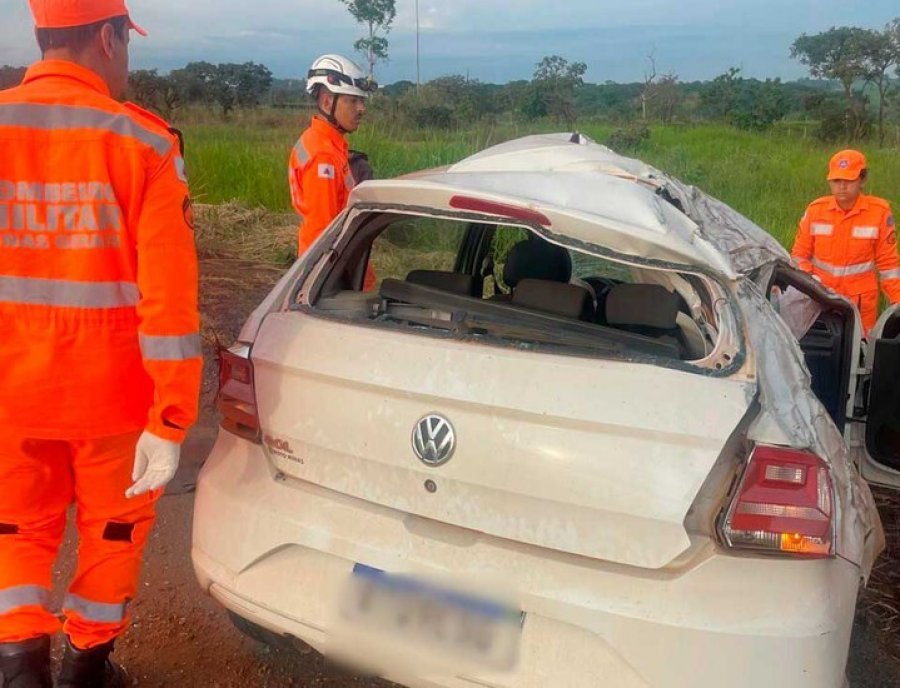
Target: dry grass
(256,235)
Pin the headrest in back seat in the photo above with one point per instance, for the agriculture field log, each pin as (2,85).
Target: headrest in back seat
(556,298)
(453,282)
(642,305)
(537,259)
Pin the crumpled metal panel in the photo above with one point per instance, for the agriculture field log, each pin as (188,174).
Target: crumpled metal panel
(746,245)
(788,401)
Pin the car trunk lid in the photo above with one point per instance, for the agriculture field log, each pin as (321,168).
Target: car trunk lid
(594,457)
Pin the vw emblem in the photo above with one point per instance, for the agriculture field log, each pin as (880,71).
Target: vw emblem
(434,440)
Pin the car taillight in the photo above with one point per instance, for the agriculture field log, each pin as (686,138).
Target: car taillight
(237,395)
(785,503)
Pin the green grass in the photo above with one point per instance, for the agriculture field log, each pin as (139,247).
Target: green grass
(768,177)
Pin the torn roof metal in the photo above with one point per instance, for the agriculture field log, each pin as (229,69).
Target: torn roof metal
(597,196)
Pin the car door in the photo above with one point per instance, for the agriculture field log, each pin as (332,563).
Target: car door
(880,462)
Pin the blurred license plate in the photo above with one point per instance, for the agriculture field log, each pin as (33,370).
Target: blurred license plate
(453,624)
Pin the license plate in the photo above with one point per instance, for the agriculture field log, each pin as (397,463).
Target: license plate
(447,623)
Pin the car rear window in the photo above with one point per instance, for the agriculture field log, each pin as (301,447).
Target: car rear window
(508,285)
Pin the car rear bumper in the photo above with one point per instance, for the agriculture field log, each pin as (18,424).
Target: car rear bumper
(278,552)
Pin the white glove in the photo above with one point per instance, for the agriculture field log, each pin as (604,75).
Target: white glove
(155,463)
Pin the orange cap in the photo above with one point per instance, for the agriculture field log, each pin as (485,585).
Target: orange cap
(64,14)
(848,165)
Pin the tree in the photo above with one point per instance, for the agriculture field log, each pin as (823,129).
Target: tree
(839,54)
(649,79)
(553,89)
(194,82)
(228,85)
(377,16)
(664,97)
(744,103)
(146,88)
(881,52)
(241,85)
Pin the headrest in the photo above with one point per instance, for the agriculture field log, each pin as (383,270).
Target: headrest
(453,282)
(642,305)
(537,259)
(556,298)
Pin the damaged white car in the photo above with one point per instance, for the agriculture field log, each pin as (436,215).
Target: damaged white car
(567,440)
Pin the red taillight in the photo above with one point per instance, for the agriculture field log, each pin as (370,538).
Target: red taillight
(784,503)
(237,396)
(514,212)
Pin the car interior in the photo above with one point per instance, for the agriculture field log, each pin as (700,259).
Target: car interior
(509,283)
(828,350)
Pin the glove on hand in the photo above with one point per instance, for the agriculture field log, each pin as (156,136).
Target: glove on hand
(155,463)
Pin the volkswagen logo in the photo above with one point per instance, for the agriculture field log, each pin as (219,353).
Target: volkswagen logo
(434,440)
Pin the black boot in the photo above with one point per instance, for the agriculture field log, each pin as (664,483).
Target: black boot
(26,664)
(90,668)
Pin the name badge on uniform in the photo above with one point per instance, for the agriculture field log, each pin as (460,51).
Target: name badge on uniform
(821,229)
(865,232)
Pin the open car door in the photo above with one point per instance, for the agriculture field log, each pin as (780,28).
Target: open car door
(880,462)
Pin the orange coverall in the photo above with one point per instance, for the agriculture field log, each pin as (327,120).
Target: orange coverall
(98,310)
(321,182)
(850,251)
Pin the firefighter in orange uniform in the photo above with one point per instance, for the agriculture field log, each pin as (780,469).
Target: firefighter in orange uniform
(100,349)
(848,240)
(322,170)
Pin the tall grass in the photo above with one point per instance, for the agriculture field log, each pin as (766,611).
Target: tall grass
(768,177)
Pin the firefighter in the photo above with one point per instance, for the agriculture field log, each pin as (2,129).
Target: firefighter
(100,350)
(848,241)
(322,170)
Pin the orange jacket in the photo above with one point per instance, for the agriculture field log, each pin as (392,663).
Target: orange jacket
(320,179)
(98,270)
(850,251)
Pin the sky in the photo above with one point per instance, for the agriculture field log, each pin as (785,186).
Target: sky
(490,40)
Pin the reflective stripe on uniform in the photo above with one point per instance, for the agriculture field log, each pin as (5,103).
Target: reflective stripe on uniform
(302,154)
(68,293)
(844,270)
(101,612)
(57,117)
(349,181)
(23,596)
(865,232)
(170,348)
(820,229)
(180,170)
(890,274)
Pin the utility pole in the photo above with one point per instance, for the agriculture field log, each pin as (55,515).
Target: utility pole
(418,79)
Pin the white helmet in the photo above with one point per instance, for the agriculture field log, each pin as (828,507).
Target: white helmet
(339,75)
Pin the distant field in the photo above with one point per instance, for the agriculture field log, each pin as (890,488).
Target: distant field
(768,177)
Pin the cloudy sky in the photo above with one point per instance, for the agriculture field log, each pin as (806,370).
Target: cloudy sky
(491,40)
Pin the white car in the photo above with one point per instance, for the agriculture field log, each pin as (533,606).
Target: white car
(566,441)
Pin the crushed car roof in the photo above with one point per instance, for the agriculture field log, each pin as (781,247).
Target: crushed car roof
(593,195)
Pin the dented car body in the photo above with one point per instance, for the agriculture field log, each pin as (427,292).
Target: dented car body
(568,440)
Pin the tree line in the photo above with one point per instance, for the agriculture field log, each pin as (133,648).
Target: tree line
(852,93)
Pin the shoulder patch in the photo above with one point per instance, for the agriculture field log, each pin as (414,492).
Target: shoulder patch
(326,171)
(890,220)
